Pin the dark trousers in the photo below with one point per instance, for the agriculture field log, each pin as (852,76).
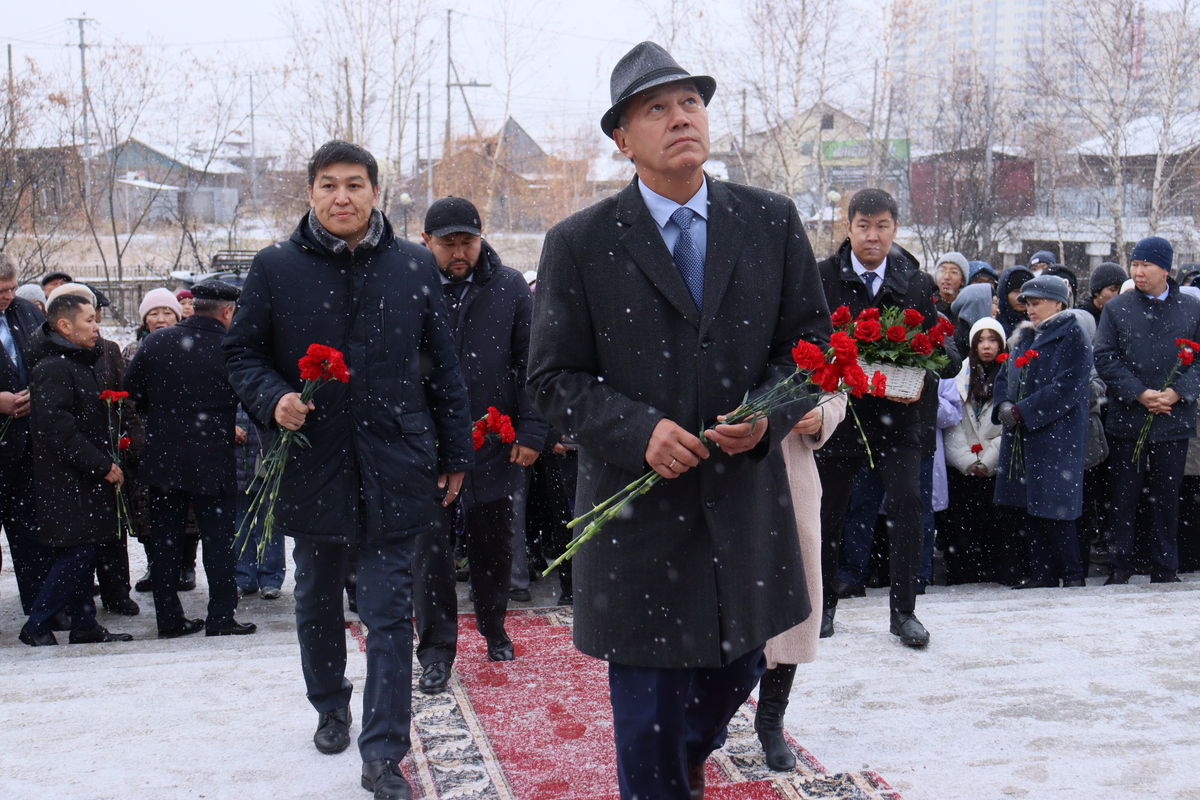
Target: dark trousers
(384,594)
(1053,549)
(488,534)
(982,541)
(666,719)
(1158,473)
(112,570)
(168,524)
(18,514)
(899,467)
(866,497)
(69,585)
(1189,524)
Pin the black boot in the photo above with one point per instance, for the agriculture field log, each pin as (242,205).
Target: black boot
(773,693)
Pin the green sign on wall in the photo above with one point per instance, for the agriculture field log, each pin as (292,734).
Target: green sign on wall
(860,148)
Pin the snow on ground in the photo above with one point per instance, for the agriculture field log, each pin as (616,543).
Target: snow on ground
(1087,693)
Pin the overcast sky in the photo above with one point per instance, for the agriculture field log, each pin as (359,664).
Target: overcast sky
(562,85)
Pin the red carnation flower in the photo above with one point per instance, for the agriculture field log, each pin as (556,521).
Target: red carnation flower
(935,335)
(1002,358)
(1022,362)
(508,434)
(976,449)
(841,316)
(323,363)
(868,330)
(913,318)
(1183,343)
(897,333)
(856,379)
(808,356)
(827,377)
(1186,357)
(921,344)
(1031,354)
(124,444)
(879,384)
(869,314)
(844,347)
(494,419)
(478,433)
(109,396)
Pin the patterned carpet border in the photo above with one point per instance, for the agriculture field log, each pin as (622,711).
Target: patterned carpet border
(452,757)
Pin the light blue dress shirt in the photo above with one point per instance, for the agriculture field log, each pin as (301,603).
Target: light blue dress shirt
(661,209)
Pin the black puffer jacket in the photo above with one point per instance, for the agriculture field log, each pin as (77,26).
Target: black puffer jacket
(489,316)
(76,506)
(24,320)
(372,440)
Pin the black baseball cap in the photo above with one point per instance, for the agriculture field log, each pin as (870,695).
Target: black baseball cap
(452,215)
(213,289)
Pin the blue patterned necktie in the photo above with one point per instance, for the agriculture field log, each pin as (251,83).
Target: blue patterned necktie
(869,279)
(687,256)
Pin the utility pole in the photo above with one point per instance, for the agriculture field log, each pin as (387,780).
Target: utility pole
(462,88)
(349,102)
(253,162)
(446,143)
(87,158)
(429,139)
(417,160)
(12,102)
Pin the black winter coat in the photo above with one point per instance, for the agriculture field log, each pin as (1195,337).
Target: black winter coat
(707,566)
(373,439)
(179,384)
(904,286)
(75,505)
(24,320)
(1135,351)
(490,321)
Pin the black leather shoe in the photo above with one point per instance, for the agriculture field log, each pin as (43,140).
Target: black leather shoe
(1117,578)
(1075,584)
(844,590)
(384,778)
(827,622)
(501,650)
(97,635)
(124,606)
(1167,577)
(333,731)
(231,628)
(434,677)
(187,580)
(189,626)
(909,629)
(520,595)
(1032,584)
(773,692)
(144,583)
(61,621)
(566,599)
(36,639)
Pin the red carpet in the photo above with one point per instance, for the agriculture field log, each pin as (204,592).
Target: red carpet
(540,728)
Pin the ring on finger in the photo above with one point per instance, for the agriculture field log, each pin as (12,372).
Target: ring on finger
(674,461)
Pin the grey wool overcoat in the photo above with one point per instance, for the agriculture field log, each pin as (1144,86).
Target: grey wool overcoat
(706,567)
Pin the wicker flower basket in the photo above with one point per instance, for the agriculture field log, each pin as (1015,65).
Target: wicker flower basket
(903,382)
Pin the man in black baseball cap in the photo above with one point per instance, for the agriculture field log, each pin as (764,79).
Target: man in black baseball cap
(489,307)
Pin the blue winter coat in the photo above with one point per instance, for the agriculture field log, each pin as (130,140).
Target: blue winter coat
(1055,419)
(378,442)
(1136,350)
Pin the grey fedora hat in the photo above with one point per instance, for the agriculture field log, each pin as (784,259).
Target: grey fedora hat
(645,66)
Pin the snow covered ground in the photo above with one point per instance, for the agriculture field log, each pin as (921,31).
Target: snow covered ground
(1088,693)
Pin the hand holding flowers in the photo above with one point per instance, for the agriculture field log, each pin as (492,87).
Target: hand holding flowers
(1159,403)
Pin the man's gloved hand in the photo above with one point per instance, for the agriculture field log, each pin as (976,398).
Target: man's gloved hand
(1009,416)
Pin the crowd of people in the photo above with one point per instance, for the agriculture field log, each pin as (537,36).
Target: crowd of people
(1060,429)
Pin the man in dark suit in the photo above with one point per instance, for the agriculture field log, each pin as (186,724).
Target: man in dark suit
(178,382)
(867,271)
(656,312)
(19,320)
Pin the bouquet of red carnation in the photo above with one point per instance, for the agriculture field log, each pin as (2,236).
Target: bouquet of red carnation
(1016,461)
(117,445)
(1187,354)
(892,341)
(318,366)
(832,371)
(495,426)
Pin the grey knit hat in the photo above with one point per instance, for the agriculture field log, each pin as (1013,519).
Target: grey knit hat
(1105,275)
(1049,287)
(959,260)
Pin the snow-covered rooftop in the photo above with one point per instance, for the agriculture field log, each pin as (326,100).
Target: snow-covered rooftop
(1144,137)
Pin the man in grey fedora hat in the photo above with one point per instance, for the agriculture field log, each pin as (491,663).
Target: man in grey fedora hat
(657,310)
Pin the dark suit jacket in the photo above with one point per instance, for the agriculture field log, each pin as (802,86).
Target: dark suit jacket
(707,566)
(178,382)
(886,422)
(24,320)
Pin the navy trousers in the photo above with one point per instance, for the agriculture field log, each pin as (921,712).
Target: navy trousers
(68,585)
(18,514)
(168,528)
(384,592)
(666,719)
(1158,473)
(1053,549)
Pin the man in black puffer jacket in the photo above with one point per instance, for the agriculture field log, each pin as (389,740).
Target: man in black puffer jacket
(489,306)
(383,446)
(76,476)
